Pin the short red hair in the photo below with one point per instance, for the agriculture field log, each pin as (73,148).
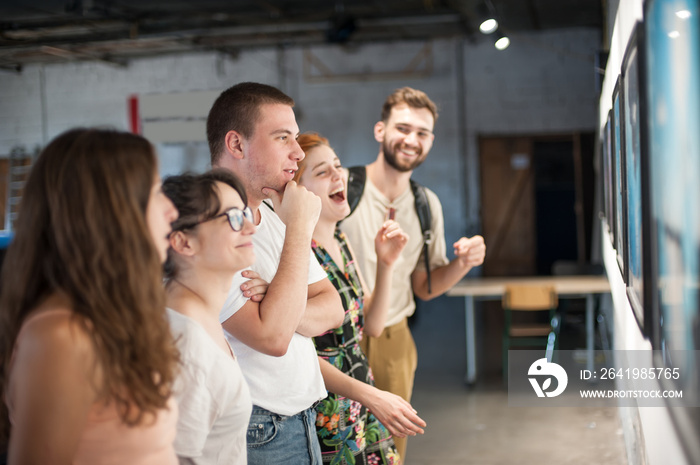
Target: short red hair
(308,141)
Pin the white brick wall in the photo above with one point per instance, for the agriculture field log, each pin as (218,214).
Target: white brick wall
(79,94)
(20,110)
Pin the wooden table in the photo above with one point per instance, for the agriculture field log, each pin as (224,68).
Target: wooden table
(493,289)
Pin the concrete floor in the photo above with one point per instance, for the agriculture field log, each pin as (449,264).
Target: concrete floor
(475,426)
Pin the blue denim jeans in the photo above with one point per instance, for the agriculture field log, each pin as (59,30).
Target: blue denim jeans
(285,440)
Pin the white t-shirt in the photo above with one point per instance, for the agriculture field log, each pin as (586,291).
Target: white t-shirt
(292,383)
(212,396)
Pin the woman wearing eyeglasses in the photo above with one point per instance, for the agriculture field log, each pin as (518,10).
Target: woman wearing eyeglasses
(210,242)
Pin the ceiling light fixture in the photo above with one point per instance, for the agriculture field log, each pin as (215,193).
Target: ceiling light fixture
(488,26)
(502,42)
(487,18)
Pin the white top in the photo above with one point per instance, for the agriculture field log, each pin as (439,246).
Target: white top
(213,398)
(292,383)
(361,228)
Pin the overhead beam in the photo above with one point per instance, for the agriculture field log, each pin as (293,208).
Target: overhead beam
(534,15)
(81,55)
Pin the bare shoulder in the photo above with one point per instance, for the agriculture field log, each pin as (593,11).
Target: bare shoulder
(53,331)
(52,384)
(54,350)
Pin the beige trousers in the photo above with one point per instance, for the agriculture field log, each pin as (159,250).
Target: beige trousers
(393,359)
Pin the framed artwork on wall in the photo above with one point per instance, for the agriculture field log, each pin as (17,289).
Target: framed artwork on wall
(608,176)
(672,45)
(634,160)
(618,145)
(600,182)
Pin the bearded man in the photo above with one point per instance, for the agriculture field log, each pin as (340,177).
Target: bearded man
(405,135)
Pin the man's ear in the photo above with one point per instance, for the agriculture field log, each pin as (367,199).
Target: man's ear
(234,144)
(181,243)
(379,131)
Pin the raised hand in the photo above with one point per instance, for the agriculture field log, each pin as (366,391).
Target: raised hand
(389,242)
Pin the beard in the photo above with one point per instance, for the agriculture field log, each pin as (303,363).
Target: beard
(393,161)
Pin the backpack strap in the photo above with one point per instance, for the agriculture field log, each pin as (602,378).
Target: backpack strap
(424,217)
(357,175)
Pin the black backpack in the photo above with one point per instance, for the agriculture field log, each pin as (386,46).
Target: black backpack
(357,176)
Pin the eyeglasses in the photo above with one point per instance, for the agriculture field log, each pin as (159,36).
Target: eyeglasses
(236,217)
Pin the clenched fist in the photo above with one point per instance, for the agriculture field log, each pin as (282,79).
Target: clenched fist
(470,250)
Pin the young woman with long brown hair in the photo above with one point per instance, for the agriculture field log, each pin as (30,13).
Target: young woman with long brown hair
(86,352)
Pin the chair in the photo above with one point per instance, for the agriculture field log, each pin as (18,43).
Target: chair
(522,330)
(569,319)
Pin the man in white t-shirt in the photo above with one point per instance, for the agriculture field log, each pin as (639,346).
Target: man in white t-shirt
(252,131)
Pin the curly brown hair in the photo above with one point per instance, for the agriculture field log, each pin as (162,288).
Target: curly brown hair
(82,231)
(414,98)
